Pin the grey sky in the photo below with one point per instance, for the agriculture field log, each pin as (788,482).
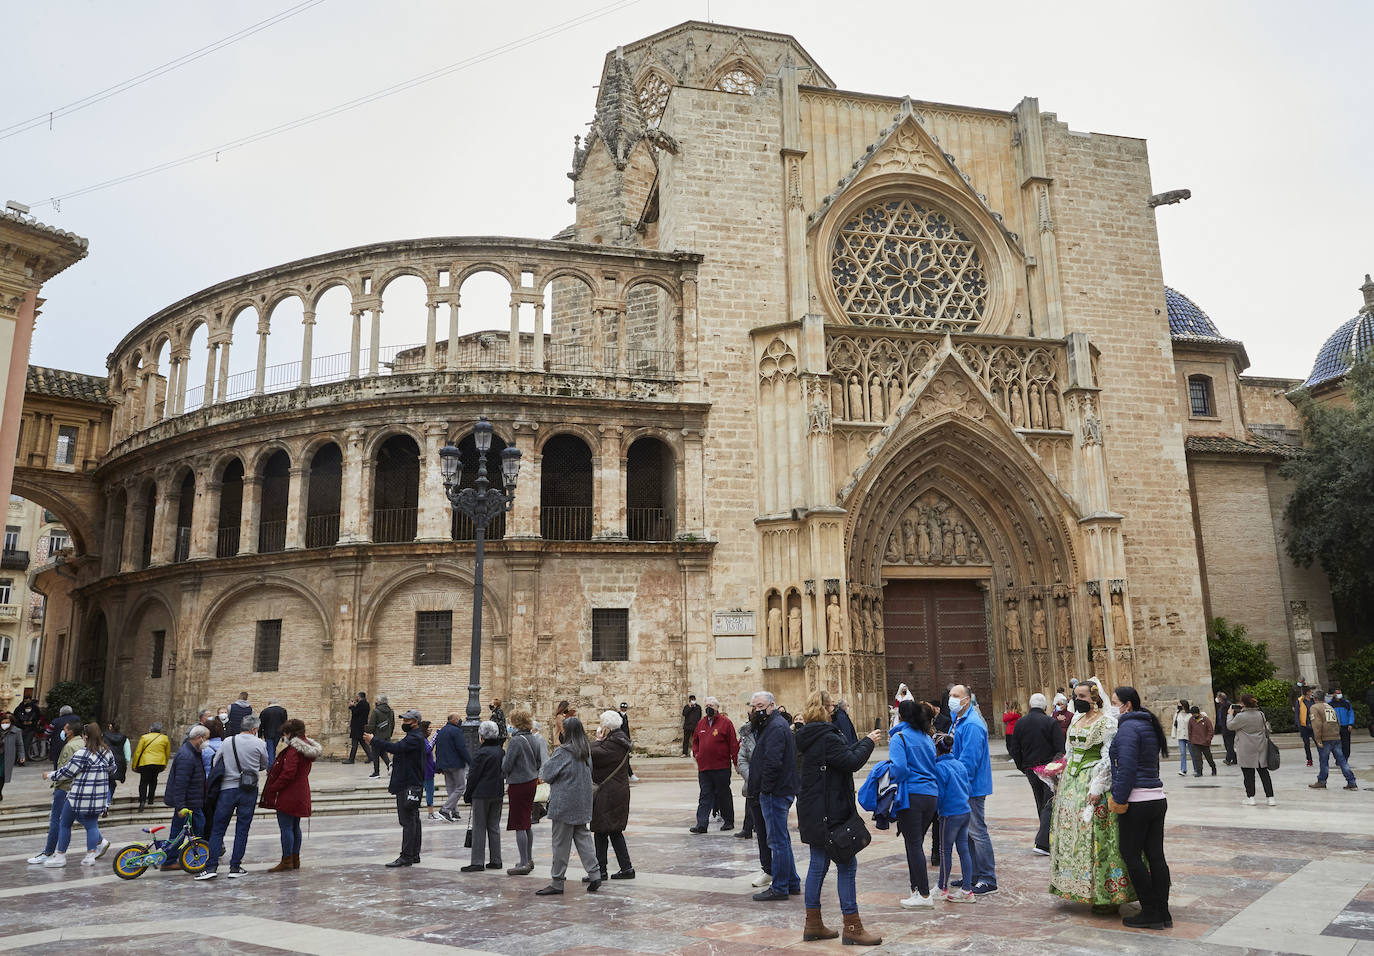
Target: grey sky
(1259,108)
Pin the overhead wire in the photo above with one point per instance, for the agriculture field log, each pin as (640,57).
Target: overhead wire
(46,118)
(349,105)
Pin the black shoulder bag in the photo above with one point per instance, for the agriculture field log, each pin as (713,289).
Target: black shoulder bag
(843,840)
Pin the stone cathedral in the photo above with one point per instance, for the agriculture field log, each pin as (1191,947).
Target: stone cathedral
(820,389)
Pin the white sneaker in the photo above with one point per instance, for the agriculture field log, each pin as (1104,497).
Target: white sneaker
(434,816)
(763,879)
(100,850)
(1269,800)
(207,875)
(1039,851)
(38,860)
(88,859)
(634,778)
(916,901)
(57,859)
(1249,801)
(960,896)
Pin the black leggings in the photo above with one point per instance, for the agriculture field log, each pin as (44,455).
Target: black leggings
(1141,829)
(913,822)
(147,783)
(616,838)
(1249,774)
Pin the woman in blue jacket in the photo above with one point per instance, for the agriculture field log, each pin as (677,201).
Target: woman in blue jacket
(912,755)
(1136,786)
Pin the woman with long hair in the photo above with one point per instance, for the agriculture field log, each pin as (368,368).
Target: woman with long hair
(568,772)
(89,770)
(611,795)
(288,790)
(912,753)
(825,801)
(1251,730)
(524,754)
(562,712)
(1181,717)
(1137,797)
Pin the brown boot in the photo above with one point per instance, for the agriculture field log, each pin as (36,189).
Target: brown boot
(285,864)
(295,861)
(856,935)
(815,928)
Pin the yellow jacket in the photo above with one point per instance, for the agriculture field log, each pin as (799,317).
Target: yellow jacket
(154,750)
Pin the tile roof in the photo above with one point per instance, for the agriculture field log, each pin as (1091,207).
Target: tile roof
(63,384)
(1250,445)
(1188,323)
(1354,338)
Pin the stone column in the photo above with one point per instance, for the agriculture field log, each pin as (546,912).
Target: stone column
(431,320)
(451,357)
(434,512)
(205,521)
(169,401)
(307,346)
(688,350)
(264,330)
(608,492)
(131,551)
(296,503)
(1303,646)
(693,495)
(252,513)
(164,520)
(523,520)
(114,532)
(539,337)
(351,493)
(621,342)
(374,353)
(184,364)
(223,393)
(150,395)
(207,397)
(514,333)
(355,344)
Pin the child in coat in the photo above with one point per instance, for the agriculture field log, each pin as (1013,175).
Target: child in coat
(953,802)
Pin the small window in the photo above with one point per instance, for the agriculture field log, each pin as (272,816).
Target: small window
(5,650)
(433,637)
(267,647)
(611,634)
(159,647)
(6,587)
(11,538)
(57,540)
(66,445)
(32,667)
(1200,396)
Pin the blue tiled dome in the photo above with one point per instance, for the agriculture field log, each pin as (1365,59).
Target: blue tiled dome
(1355,337)
(1187,321)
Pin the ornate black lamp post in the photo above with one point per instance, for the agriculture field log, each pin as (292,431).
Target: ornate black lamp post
(481,503)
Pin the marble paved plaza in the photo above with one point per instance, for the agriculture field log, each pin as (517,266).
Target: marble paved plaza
(1297,878)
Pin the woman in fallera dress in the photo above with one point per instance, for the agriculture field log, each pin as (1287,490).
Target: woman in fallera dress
(1085,854)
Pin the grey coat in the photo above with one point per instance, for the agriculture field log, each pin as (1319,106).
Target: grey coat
(523,753)
(13,750)
(570,787)
(1252,733)
(746,750)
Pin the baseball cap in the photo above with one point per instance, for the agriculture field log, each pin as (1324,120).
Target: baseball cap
(411,714)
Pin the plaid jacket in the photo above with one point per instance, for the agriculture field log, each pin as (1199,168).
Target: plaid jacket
(90,775)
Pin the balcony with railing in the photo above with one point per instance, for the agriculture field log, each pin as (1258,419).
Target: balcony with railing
(272,536)
(227,543)
(14,560)
(649,524)
(321,531)
(9,613)
(565,523)
(182,551)
(394,525)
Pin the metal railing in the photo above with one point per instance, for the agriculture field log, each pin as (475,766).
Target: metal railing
(182,551)
(227,544)
(461,528)
(14,560)
(394,524)
(561,523)
(321,531)
(271,536)
(649,524)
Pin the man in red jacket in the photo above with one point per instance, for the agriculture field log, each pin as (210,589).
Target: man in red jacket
(715,746)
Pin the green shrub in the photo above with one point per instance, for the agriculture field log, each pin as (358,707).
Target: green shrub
(1272,695)
(1353,674)
(83,699)
(1235,661)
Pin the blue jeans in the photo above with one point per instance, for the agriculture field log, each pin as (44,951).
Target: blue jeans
(1329,749)
(271,749)
(59,807)
(785,878)
(954,836)
(1182,755)
(980,844)
(197,819)
(429,792)
(90,821)
(290,828)
(815,876)
(234,799)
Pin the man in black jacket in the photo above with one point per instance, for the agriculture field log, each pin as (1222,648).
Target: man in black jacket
(1036,740)
(357,723)
(774,776)
(271,719)
(407,782)
(26,718)
(691,716)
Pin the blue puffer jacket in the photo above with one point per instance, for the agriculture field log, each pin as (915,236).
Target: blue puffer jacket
(913,764)
(186,783)
(971,750)
(1134,754)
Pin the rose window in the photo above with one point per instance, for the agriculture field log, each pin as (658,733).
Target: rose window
(738,80)
(901,264)
(653,99)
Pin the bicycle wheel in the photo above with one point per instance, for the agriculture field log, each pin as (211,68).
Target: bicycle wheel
(194,856)
(131,861)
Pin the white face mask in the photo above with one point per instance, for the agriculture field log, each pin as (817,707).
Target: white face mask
(5,725)
(223,716)
(955,704)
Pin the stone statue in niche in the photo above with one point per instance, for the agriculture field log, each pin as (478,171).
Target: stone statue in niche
(960,543)
(774,632)
(1099,637)
(1058,572)
(834,637)
(893,553)
(1063,631)
(947,535)
(875,399)
(878,627)
(856,400)
(1037,410)
(922,539)
(794,631)
(894,395)
(1038,624)
(910,547)
(856,637)
(1018,407)
(868,627)
(1013,626)
(933,531)
(836,400)
(975,549)
(1120,633)
(1054,413)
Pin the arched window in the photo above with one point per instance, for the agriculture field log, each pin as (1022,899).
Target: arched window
(900,262)
(396,490)
(1201,403)
(230,510)
(565,489)
(185,511)
(119,512)
(145,557)
(738,80)
(276,491)
(461,525)
(650,498)
(653,98)
(324,498)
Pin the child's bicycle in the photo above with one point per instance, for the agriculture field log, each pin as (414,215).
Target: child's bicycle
(189,850)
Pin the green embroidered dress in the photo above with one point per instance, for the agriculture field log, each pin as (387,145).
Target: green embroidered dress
(1085,857)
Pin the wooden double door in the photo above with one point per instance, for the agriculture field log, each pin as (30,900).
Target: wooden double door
(936,634)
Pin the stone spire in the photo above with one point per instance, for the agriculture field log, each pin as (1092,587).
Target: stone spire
(1368,290)
(619,124)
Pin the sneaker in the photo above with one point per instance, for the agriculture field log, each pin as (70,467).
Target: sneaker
(236,871)
(88,859)
(1271,801)
(917,901)
(446,815)
(1183,773)
(434,816)
(57,859)
(1316,786)
(634,778)
(1309,763)
(38,860)
(1040,851)
(726,827)
(697,830)
(981,889)
(769,896)
(1351,786)
(742,835)
(763,879)
(961,896)
(207,875)
(1249,801)
(626,874)
(100,850)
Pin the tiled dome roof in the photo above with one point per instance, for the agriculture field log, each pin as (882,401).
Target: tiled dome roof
(1354,337)
(1189,323)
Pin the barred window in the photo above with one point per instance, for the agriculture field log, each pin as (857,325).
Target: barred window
(433,637)
(267,647)
(611,634)
(66,445)
(1200,396)
(159,647)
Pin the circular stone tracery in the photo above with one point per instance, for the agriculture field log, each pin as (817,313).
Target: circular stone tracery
(899,263)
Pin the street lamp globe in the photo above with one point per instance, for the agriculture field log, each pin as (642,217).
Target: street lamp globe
(450,463)
(510,466)
(481,435)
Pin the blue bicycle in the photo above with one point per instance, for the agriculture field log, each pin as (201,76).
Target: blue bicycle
(189,850)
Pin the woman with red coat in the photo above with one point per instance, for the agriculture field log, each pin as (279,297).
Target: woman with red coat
(288,791)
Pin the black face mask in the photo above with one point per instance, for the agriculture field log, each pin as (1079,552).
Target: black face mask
(758,718)
(1082,706)
(710,712)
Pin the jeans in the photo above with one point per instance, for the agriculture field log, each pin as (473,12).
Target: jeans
(954,838)
(913,822)
(1306,734)
(564,836)
(486,830)
(59,807)
(754,811)
(91,823)
(784,869)
(197,819)
(714,791)
(409,818)
(290,828)
(1141,829)
(1182,754)
(1200,753)
(453,786)
(1329,749)
(1044,808)
(616,841)
(429,792)
(980,844)
(844,882)
(1249,774)
(271,749)
(237,802)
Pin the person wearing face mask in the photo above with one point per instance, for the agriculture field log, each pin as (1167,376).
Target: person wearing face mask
(70,744)
(66,726)
(11,750)
(971,749)
(186,787)
(1223,721)
(407,781)
(1137,798)
(716,748)
(1200,740)
(1181,718)
(1085,852)
(774,779)
(1345,717)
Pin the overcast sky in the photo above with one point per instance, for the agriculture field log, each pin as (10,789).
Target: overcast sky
(1262,109)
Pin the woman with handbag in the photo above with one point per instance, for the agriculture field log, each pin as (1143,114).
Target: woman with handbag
(484,788)
(1252,748)
(611,794)
(524,754)
(828,819)
(568,772)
